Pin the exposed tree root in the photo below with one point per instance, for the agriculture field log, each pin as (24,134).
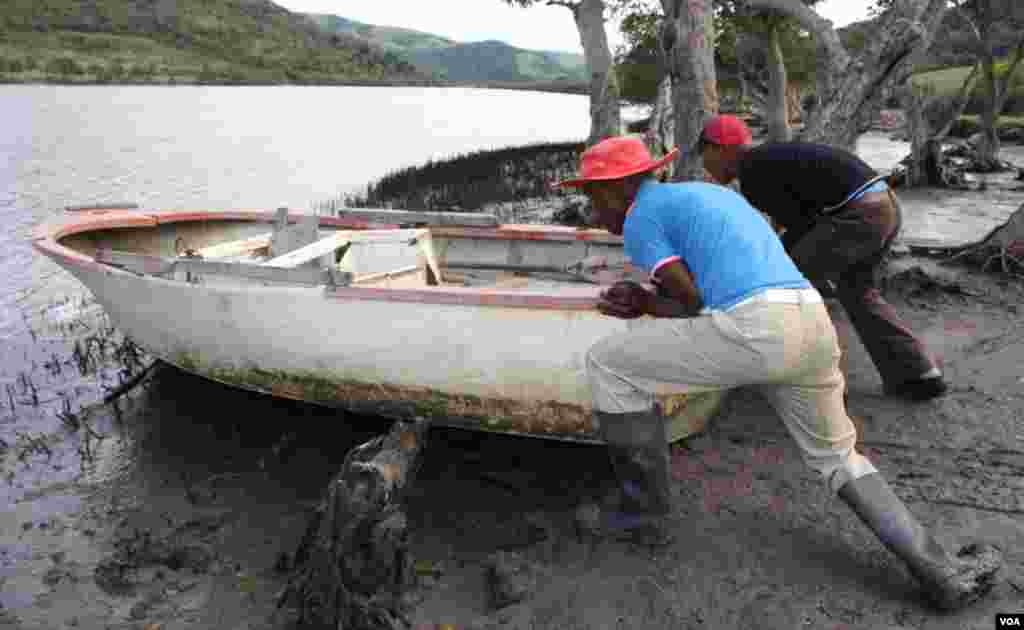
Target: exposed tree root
(352,566)
(1004,243)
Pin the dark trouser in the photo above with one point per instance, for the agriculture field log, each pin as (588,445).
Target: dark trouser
(849,248)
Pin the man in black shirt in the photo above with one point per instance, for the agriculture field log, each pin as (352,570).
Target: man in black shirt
(840,220)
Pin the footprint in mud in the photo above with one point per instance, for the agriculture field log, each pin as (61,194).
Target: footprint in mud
(119,573)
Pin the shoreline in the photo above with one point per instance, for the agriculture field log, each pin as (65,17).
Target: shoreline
(426,83)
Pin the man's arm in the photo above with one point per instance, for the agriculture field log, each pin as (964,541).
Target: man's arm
(678,295)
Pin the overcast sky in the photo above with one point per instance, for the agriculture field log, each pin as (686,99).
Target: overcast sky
(539,27)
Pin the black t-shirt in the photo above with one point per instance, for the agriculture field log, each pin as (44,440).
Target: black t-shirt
(794,181)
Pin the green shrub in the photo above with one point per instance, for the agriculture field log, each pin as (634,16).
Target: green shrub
(207,74)
(64,66)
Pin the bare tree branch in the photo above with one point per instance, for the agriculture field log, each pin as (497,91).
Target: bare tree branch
(809,19)
(1010,79)
(960,104)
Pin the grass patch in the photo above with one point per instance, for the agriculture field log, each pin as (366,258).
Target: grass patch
(467,182)
(947,83)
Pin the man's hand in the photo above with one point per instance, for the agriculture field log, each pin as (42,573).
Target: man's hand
(625,300)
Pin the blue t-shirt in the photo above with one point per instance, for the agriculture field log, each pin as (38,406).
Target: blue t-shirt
(729,247)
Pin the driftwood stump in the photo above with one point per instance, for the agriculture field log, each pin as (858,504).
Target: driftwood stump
(352,565)
(1005,242)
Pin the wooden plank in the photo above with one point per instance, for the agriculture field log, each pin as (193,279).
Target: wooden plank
(289,237)
(340,238)
(236,248)
(374,215)
(159,266)
(372,277)
(426,244)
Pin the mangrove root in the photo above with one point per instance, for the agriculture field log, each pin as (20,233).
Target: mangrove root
(1005,243)
(352,566)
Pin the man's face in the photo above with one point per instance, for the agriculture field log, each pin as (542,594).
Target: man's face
(720,162)
(607,204)
(714,162)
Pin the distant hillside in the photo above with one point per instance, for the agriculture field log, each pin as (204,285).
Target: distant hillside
(183,41)
(454,61)
(387,37)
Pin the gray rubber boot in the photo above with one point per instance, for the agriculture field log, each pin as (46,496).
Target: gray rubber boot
(642,498)
(950,582)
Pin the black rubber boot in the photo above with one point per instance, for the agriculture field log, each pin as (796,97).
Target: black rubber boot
(641,499)
(950,582)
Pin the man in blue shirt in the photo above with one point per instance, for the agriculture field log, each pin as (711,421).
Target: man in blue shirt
(730,308)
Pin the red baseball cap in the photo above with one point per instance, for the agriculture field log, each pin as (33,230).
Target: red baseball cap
(616,158)
(726,130)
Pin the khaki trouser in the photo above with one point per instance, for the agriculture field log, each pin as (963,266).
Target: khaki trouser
(781,341)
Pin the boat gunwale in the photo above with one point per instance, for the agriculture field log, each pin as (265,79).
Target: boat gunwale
(46,239)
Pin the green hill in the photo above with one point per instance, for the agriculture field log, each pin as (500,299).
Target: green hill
(387,37)
(211,41)
(489,61)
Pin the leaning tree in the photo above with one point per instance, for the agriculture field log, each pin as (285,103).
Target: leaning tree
(982,27)
(589,15)
(849,88)
(769,50)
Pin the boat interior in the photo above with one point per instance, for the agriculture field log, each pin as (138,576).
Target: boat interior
(393,250)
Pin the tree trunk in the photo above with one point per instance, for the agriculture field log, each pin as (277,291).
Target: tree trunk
(605,119)
(686,41)
(794,104)
(352,565)
(777,114)
(988,150)
(744,100)
(925,148)
(660,135)
(848,91)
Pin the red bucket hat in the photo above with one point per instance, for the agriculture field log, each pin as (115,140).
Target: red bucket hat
(616,158)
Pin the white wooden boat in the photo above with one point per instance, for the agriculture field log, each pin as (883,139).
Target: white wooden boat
(398,314)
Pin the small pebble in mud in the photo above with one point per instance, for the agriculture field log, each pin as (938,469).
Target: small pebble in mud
(139,610)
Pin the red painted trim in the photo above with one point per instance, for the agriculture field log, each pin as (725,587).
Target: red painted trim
(90,220)
(515,232)
(577,300)
(58,252)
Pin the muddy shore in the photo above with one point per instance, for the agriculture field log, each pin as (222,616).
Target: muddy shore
(166,511)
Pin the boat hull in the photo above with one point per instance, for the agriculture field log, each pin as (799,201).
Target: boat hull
(465,359)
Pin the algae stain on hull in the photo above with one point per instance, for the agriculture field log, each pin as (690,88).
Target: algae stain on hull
(687,413)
